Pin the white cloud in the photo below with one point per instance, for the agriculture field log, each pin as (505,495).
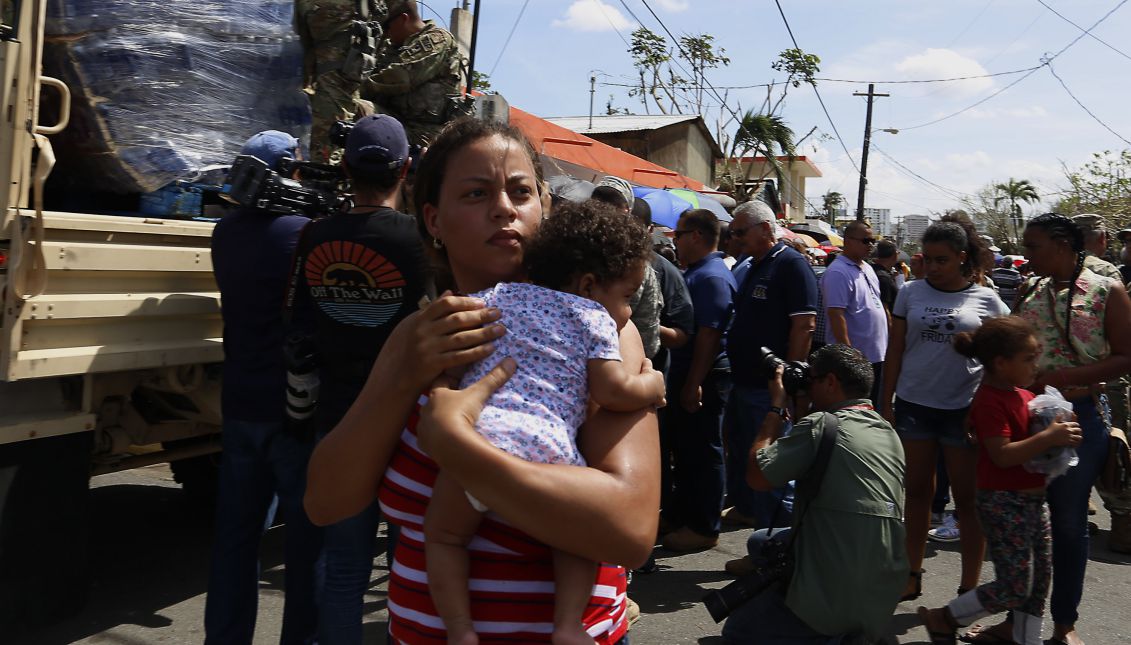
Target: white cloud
(946,63)
(593,15)
(674,6)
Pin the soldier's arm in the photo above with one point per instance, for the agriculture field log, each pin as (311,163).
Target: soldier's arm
(416,65)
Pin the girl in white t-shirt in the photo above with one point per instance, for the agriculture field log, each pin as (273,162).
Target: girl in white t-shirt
(928,386)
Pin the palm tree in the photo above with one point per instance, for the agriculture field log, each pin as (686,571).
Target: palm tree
(1017,190)
(766,135)
(832,200)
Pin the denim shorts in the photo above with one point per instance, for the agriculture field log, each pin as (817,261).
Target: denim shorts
(914,422)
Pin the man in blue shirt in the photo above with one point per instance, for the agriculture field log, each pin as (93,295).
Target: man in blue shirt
(698,388)
(776,307)
(251,257)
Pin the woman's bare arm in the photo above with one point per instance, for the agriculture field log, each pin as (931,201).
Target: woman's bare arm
(348,464)
(1117,330)
(607,512)
(893,365)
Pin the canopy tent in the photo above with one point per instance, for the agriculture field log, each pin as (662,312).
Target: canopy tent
(698,200)
(666,206)
(570,188)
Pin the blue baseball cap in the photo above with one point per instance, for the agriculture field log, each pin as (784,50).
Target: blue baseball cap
(377,142)
(270,146)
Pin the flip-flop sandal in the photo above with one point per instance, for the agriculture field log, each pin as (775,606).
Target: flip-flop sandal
(984,634)
(937,638)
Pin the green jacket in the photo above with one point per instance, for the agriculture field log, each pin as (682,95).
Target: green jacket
(851,561)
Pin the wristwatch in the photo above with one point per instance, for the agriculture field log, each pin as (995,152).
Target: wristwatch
(781,412)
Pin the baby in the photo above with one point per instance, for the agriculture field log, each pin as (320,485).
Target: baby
(586,262)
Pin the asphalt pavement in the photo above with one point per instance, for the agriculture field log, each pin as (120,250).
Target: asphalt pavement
(150,550)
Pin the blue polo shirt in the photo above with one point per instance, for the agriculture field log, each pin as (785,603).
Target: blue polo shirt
(712,288)
(778,286)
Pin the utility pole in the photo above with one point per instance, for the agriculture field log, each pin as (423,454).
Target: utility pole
(592,91)
(474,41)
(864,156)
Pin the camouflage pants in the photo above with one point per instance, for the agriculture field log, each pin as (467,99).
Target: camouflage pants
(1118,504)
(324,26)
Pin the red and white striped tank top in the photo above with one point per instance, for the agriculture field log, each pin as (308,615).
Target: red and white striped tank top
(512,576)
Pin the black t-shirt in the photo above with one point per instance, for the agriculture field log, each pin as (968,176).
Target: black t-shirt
(888,289)
(362,273)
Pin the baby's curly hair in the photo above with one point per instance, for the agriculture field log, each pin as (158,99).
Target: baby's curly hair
(590,237)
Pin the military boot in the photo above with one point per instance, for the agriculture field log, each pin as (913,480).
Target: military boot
(1119,540)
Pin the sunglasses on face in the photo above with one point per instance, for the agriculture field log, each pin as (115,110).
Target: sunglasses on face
(867,241)
(677,234)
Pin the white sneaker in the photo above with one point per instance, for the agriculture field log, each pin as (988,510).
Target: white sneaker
(937,519)
(948,532)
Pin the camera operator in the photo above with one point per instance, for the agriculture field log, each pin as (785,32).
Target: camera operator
(850,563)
(362,272)
(251,253)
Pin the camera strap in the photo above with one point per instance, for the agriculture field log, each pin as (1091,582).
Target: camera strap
(814,477)
(298,260)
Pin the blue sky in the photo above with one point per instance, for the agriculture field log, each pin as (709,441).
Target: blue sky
(1028,131)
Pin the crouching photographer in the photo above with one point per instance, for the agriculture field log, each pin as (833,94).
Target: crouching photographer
(847,541)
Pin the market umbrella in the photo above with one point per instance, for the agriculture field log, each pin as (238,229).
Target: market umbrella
(807,240)
(817,253)
(828,248)
(702,201)
(666,207)
(570,188)
(813,232)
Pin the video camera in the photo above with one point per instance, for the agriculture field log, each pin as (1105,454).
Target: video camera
(340,132)
(795,374)
(774,563)
(252,183)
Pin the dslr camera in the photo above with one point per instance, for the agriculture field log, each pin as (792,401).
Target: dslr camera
(773,564)
(795,374)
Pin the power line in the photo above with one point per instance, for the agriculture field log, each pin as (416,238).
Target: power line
(1085,108)
(816,91)
(949,192)
(1044,62)
(443,21)
(1093,36)
(508,40)
(601,6)
(931,80)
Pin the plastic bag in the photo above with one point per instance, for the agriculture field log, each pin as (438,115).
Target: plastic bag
(1045,409)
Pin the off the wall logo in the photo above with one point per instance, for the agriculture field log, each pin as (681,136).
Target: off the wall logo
(353,284)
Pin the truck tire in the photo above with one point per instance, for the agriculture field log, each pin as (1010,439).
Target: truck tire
(44,529)
(199,476)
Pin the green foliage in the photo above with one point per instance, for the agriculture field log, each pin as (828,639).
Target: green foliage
(1101,186)
(831,201)
(481,81)
(799,66)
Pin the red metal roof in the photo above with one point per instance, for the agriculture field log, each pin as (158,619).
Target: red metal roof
(558,142)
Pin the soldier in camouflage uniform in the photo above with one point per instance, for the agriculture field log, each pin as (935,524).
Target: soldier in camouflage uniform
(1095,245)
(417,79)
(332,65)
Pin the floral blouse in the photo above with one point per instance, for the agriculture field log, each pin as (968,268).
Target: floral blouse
(1045,310)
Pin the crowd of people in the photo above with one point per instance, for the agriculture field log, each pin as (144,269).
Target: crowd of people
(468,373)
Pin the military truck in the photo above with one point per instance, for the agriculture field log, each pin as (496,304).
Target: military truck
(110,338)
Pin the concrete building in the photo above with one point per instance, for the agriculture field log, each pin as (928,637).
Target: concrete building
(879,218)
(792,189)
(680,142)
(915,226)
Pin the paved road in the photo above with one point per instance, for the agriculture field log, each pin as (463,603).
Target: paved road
(150,548)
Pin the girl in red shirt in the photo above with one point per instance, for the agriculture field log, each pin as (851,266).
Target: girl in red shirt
(1011,500)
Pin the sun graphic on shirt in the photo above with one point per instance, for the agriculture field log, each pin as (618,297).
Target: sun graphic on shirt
(341,263)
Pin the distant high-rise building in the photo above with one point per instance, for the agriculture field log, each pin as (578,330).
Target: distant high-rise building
(879,218)
(915,226)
